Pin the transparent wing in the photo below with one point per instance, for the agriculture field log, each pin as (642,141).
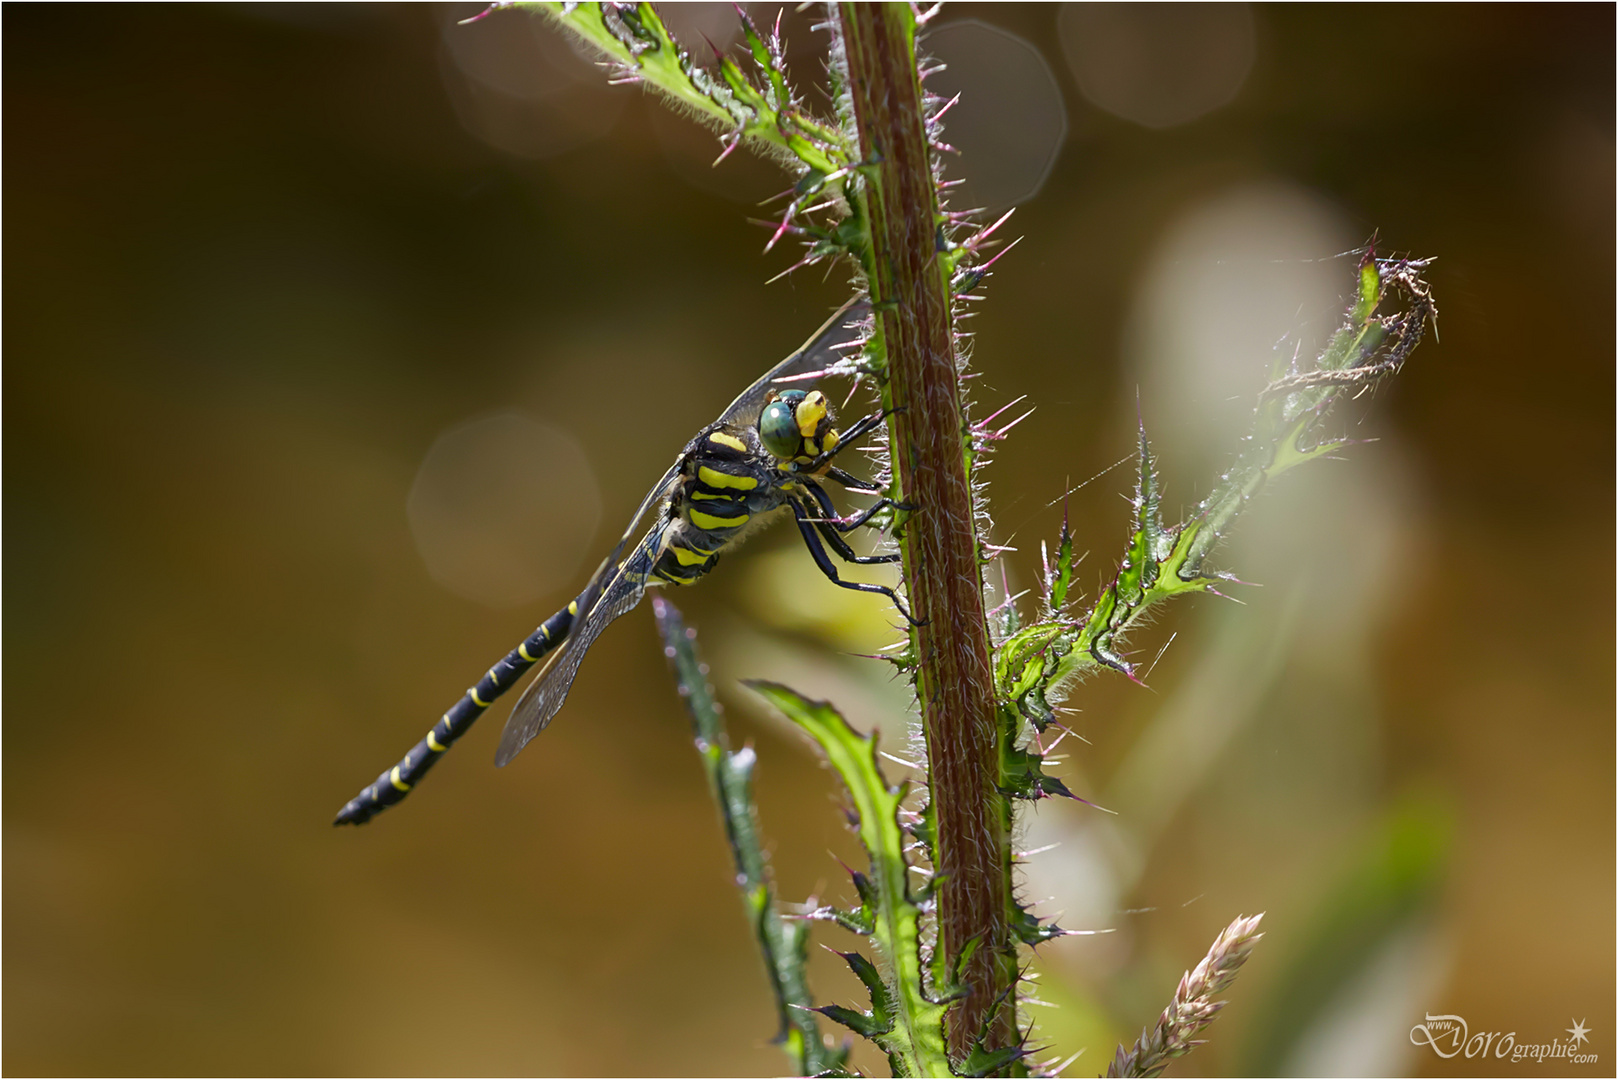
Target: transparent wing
(616,587)
(820,351)
(655,495)
(619,594)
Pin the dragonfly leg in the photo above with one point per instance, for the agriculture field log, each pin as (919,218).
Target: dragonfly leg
(864,487)
(857,432)
(833,536)
(811,540)
(854,434)
(847,439)
(831,520)
(852,482)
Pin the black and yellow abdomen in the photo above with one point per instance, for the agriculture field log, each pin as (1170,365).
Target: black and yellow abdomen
(395,784)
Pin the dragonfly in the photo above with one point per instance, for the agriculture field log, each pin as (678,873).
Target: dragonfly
(767,452)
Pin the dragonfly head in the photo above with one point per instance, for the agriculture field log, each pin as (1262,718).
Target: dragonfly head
(796,426)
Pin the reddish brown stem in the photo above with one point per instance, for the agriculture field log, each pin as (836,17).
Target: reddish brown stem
(939,541)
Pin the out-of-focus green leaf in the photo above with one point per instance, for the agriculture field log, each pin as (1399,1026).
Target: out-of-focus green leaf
(1390,887)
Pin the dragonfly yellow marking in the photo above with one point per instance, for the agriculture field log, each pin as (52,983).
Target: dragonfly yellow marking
(715,478)
(708,521)
(811,413)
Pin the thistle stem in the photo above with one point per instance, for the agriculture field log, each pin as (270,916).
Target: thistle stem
(931,443)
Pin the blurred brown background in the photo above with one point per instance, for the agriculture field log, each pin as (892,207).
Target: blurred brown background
(339,341)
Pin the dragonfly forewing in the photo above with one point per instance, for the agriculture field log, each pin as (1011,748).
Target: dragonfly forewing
(539,703)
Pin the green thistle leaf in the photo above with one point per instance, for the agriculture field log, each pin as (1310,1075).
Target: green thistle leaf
(981,1062)
(1030,930)
(914,1041)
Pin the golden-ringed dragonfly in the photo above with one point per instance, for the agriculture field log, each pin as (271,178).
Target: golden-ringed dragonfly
(767,452)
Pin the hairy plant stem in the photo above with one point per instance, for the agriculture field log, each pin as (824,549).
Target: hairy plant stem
(730,776)
(931,447)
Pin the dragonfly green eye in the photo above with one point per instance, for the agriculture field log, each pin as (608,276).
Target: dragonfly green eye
(778,428)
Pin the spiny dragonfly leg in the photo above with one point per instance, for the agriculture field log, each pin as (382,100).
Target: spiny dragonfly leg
(829,523)
(849,438)
(851,482)
(811,540)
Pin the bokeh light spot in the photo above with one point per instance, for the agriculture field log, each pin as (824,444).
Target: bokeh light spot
(1158,65)
(523,89)
(503,509)
(697,25)
(1010,123)
(1240,275)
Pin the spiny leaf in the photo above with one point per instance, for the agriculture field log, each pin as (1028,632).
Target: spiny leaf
(878,1022)
(1160,562)
(982,1062)
(633,37)
(857,921)
(1030,929)
(1370,291)
(860,1023)
(1140,569)
(866,972)
(1019,661)
(924,893)
(1023,777)
(915,1042)
(1059,575)
(925,829)
(767,55)
(950,985)
(862,919)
